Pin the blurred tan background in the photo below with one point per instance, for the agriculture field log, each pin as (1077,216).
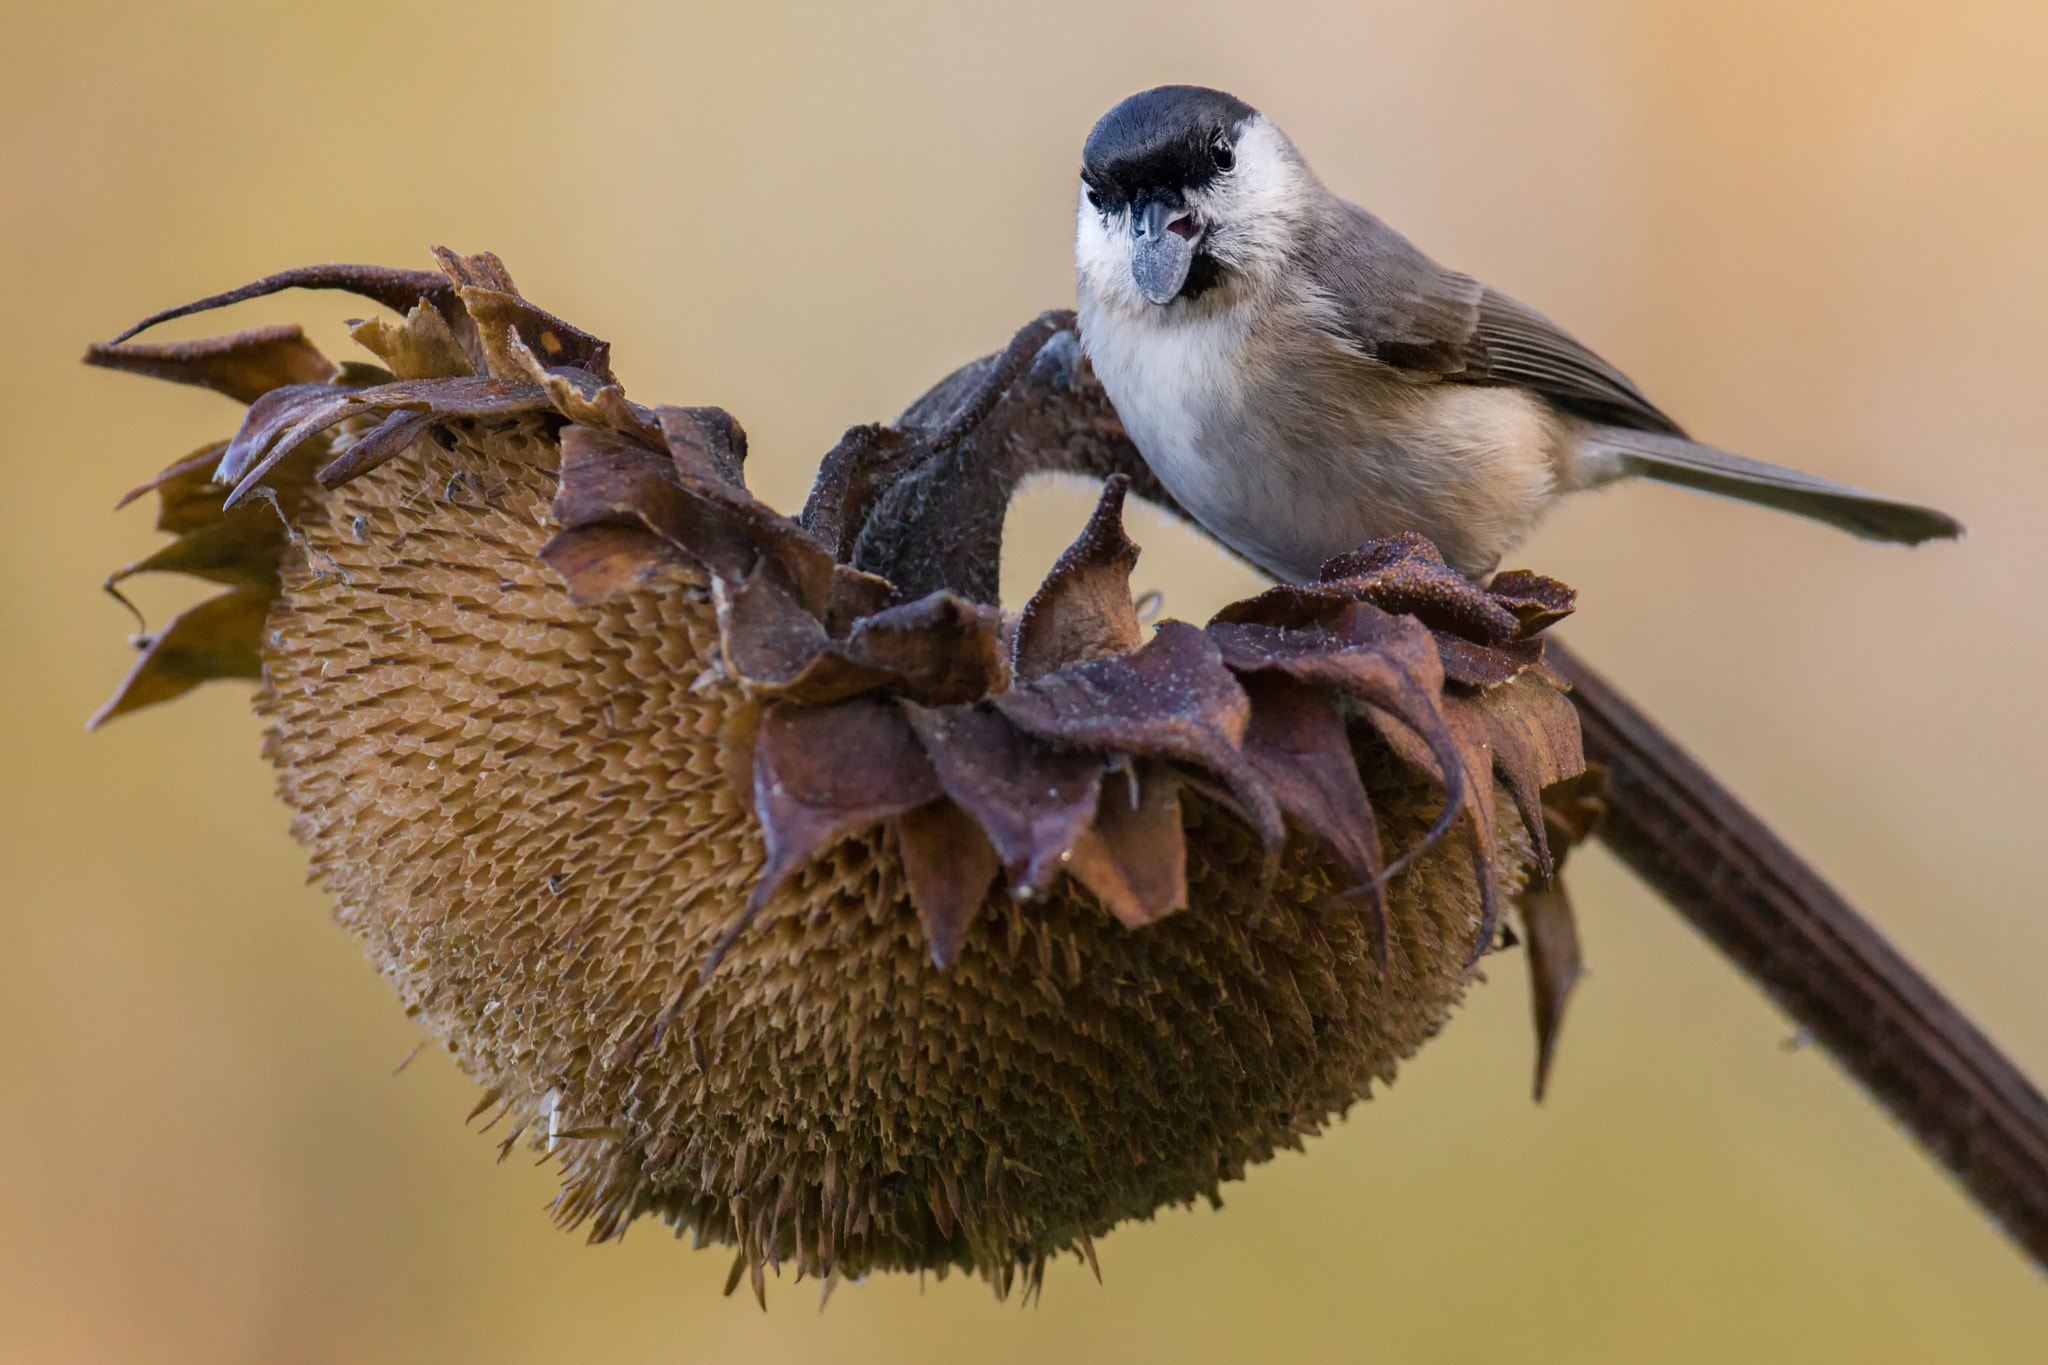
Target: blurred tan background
(1813,231)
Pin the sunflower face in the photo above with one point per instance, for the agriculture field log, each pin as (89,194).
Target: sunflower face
(772,878)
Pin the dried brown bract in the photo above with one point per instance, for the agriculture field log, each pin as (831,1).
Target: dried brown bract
(762,869)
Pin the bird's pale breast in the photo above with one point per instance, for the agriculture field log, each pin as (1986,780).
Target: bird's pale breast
(1291,450)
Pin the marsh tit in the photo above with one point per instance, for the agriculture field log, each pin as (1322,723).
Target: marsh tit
(1302,379)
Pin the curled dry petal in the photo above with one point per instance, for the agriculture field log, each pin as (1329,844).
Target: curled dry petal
(1402,574)
(1572,808)
(187,496)
(470,396)
(574,392)
(705,443)
(1532,731)
(604,559)
(1485,665)
(821,773)
(939,649)
(1551,931)
(269,418)
(219,638)
(399,429)
(1301,746)
(421,347)
(1033,801)
(610,479)
(502,318)
(1388,665)
(243,365)
(1537,602)
(950,865)
(942,648)
(1172,699)
(1083,609)
(398,290)
(781,650)
(305,411)
(1134,857)
(853,473)
(1475,753)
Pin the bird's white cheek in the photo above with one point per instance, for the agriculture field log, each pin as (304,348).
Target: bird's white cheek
(1102,263)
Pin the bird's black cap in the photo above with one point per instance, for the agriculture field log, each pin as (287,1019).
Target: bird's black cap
(1162,139)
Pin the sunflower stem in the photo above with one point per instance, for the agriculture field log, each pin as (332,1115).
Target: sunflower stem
(1792,934)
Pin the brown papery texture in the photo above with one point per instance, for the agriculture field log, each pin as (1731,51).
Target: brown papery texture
(520,806)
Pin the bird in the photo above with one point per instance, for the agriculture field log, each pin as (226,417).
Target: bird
(1303,379)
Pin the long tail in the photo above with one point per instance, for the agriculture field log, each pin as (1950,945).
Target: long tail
(1620,451)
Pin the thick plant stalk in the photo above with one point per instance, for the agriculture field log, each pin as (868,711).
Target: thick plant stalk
(1773,916)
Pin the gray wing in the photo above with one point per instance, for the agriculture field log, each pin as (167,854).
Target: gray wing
(1402,309)
(1396,306)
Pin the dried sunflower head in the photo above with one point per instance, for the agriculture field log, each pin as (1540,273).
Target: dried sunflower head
(767,874)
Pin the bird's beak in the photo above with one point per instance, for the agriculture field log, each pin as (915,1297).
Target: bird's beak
(1163,237)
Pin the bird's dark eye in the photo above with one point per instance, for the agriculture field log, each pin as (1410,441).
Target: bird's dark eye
(1094,199)
(1221,155)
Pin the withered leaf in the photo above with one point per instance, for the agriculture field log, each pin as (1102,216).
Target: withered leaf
(822,772)
(1485,665)
(398,290)
(269,418)
(1404,575)
(603,560)
(501,316)
(473,396)
(705,442)
(1133,858)
(482,271)
(1537,602)
(1533,731)
(241,548)
(944,648)
(1555,965)
(421,347)
(219,638)
(950,866)
(1032,800)
(608,477)
(1475,751)
(1172,699)
(780,649)
(1299,743)
(1387,663)
(388,439)
(1083,610)
(187,496)
(243,365)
